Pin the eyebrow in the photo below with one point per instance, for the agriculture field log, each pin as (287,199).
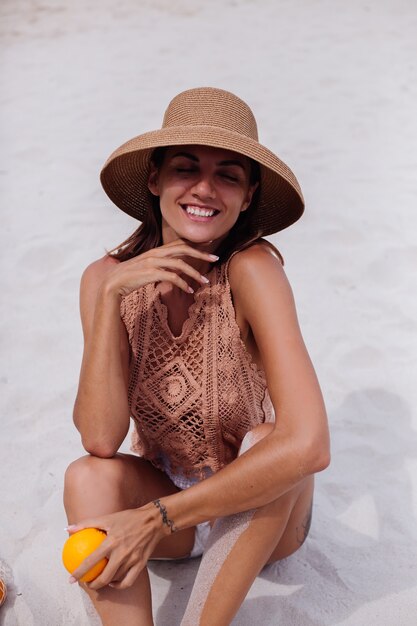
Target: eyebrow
(192,157)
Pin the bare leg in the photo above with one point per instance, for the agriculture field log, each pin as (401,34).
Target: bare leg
(240,545)
(95,486)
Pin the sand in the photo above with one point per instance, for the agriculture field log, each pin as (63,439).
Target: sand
(334,89)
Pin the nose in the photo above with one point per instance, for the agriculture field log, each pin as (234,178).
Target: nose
(204,187)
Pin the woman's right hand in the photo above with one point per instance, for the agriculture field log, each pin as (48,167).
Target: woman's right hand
(164,263)
(101,411)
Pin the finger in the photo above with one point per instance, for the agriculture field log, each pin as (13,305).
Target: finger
(176,242)
(112,573)
(92,559)
(170,252)
(185,268)
(101,523)
(129,578)
(175,279)
(179,247)
(105,578)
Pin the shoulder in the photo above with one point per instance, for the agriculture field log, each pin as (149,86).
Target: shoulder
(91,280)
(96,271)
(258,282)
(258,259)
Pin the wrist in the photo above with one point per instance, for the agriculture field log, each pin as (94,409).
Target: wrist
(108,297)
(108,290)
(166,525)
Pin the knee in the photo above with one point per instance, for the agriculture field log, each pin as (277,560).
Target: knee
(89,472)
(255,435)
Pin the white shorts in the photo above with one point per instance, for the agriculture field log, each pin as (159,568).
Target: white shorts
(202,532)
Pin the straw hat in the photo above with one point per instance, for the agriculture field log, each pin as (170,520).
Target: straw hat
(210,117)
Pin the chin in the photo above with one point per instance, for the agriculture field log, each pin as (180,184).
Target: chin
(204,237)
(198,242)
(201,239)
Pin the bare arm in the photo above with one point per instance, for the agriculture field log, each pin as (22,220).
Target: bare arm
(299,444)
(101,411)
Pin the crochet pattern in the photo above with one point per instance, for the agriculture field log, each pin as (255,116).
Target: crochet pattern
(187,392)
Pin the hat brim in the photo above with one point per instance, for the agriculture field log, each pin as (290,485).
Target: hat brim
(125,174)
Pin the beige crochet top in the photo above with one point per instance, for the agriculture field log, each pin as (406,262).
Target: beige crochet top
(187,392)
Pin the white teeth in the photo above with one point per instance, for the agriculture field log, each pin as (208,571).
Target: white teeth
(200,212)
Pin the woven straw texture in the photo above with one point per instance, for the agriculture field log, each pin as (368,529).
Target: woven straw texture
(211,117)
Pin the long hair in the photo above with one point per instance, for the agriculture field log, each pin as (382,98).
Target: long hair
(149,233)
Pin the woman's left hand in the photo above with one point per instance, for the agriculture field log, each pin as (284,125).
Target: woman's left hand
(131,539)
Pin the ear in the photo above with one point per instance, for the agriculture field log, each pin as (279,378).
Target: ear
(153,180)
(249,197)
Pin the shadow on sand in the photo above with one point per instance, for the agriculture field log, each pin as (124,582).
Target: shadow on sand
(363,531)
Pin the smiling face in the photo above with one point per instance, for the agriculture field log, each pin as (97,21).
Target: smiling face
(202,191)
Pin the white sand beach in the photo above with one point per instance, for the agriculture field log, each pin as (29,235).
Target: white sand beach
(334,88)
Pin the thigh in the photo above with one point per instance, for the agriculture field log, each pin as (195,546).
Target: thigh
(297,504)
(298,525)
(97,486)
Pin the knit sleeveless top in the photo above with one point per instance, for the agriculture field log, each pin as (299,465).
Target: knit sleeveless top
(187,392)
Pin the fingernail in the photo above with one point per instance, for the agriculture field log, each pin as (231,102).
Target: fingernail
(72,580)
(214,256)
(190,289)
(206,280)
(70,527)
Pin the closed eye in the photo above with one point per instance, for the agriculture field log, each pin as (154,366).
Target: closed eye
(233,178)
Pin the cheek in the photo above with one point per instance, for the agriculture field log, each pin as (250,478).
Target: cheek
(236,200)
(169,192)
(171,184)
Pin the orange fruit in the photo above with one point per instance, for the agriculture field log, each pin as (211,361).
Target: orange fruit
(80,545)
(3,591)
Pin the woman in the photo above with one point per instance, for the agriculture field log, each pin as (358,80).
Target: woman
(190,328)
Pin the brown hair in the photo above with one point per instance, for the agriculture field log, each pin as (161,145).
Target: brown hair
(149,233)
